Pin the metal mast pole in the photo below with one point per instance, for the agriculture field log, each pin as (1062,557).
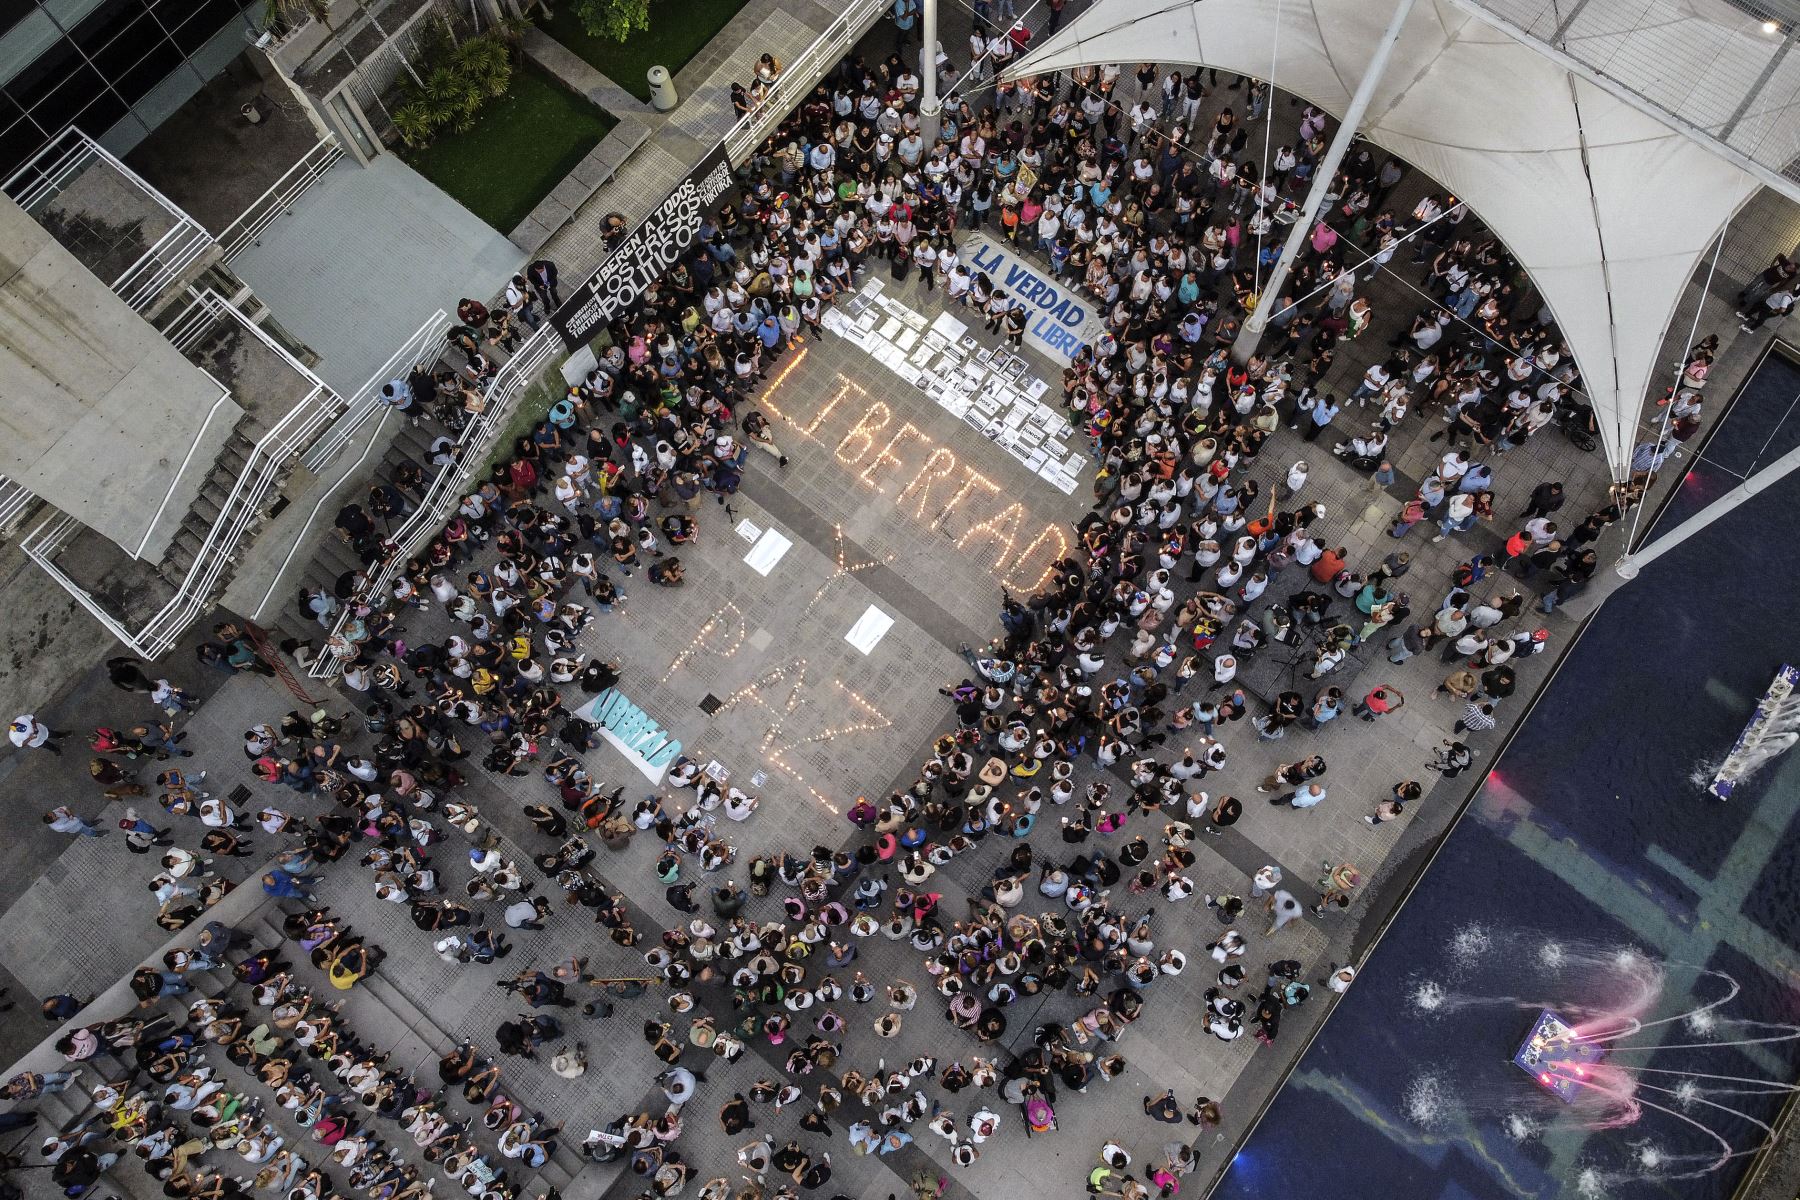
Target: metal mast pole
(931,109)
(1323,174)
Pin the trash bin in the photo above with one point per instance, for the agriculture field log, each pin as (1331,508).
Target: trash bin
(662,89)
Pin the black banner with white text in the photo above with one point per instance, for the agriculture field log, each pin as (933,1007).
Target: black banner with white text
(651,249)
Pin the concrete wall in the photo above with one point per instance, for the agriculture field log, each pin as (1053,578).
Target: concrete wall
(99,412)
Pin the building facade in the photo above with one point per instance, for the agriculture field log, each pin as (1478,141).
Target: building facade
(114,68)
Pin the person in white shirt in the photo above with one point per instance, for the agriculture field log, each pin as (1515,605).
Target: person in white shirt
(29,733)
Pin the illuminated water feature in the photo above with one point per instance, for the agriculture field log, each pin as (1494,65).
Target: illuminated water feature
(1596,878)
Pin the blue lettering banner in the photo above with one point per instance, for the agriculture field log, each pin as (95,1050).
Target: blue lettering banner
(1062,320)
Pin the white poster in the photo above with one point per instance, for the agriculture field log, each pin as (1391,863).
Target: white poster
(1062,320)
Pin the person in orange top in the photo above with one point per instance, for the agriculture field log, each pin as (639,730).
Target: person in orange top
(1328,564)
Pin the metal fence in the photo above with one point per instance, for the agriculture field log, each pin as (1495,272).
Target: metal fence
(55,168)
(423,347)
(798,77)
(446,490)
(267,208)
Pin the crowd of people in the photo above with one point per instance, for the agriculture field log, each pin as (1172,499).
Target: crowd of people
(1188,570)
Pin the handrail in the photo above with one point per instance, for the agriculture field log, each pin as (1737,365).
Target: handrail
(48,178)
(267,464)
(265,467)
(190,242)
(366,398)
(263,211)
(446,490)
(224,395)
(43,558)
(15,498)
(142,283)
(797,79)
(324,495)
(188,326)
(83,149)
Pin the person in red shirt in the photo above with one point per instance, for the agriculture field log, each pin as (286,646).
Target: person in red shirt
(1379,702)
(1326,567)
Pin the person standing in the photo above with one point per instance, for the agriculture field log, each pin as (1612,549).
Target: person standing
(29,733)
(1379,702)
(1546,498)
(1780,273)
(63,820)
(1310,796)
(1324,410)
(906,16)
(1774,307)
(1283,911)
(1164,1108)
(542,277)
(1405,792)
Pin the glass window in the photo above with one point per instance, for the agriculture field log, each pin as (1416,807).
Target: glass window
(101,113)
(195,22)
(73,90)
(117,45)
(148,71)
(19,140)
(70,13)
(14,11)
(39,77)
(21,45)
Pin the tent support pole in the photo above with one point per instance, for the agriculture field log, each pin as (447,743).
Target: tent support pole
(1323,174)
(1629,565)
(931,109)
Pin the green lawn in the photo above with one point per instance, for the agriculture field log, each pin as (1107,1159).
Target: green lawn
(520,148)
(679,29)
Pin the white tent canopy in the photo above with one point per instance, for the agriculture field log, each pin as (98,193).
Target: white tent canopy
(1606,207)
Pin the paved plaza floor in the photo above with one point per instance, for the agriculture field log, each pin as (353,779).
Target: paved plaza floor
(808,721)
(888,502)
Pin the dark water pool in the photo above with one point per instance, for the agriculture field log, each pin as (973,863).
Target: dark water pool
(1590,862)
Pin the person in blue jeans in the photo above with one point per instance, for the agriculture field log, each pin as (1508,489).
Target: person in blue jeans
(63,820)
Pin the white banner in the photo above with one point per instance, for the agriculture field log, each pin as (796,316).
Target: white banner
(1062,320)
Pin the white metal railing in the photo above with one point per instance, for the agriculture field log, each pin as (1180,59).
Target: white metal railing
(39,180)
(43,544)
(63,160)
(325,496)
(144,282)
(268,207)
(423,346)
(15,498)
(186,461)
(266,466)
(185,329)
(446,490)
(798,78)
